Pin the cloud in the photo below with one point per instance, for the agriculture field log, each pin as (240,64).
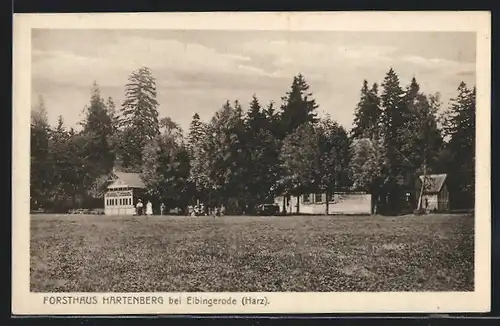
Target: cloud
(287,55)
(197,74)
(439,63)
(467,73)
(111,63)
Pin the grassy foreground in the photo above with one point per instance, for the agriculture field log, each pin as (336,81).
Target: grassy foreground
(315,253)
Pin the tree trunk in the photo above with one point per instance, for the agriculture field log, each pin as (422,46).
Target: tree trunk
(298,204)
(284,205)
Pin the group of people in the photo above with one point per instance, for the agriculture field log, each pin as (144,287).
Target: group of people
(148,209)
(192,210)
(201,210)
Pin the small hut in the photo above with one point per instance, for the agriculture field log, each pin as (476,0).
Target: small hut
(434,195)
(122,193)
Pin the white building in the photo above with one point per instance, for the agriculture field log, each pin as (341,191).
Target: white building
(122,193)
(339,203)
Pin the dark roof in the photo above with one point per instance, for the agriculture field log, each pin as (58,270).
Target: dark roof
(102,181)
(434,183)
(132,180)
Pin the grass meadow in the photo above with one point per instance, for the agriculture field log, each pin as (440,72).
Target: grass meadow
(80,253)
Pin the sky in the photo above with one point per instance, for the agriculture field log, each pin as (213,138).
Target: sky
(198,70)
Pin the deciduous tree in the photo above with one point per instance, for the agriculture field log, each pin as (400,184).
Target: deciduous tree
(165,169)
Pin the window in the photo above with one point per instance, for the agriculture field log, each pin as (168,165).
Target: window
(318,198)
(306,198)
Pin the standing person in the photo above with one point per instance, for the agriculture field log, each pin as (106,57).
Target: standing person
(139,207)
(162,208)
(149,208)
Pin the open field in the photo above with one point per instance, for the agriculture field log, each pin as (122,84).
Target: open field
(306,253)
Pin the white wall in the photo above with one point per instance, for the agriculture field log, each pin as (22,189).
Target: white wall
(119,211)
(343,204)
(432,202)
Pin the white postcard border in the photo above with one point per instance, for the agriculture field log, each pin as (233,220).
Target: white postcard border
(24,302)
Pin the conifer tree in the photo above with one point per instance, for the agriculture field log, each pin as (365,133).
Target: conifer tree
(115,137)
(139,117)
(40,168)
(367,113)
(225,157)
(393,122)
(460,129)
(255,117)
(196,133)
(262,155)
(298,106)
(198,176)
(421,135)
(98,132)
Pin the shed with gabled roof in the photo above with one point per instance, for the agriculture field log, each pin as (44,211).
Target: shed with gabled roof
(434,195)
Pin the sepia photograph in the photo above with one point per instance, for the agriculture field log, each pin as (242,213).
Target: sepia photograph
(224,160)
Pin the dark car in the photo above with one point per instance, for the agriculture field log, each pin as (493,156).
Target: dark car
(268,209)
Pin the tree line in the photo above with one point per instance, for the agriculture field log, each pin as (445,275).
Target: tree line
(243,157)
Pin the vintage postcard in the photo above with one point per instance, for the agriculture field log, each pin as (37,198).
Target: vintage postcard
(251,163)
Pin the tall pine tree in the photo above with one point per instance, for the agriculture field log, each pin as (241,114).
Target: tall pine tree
(115,137)
(40,168)
(98,131)
(367,113)
(422,137)
(393,121)
(298,107)
(196,133)
(460,129)
(139,118)
(262,156)
(225,157)
(198,176)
